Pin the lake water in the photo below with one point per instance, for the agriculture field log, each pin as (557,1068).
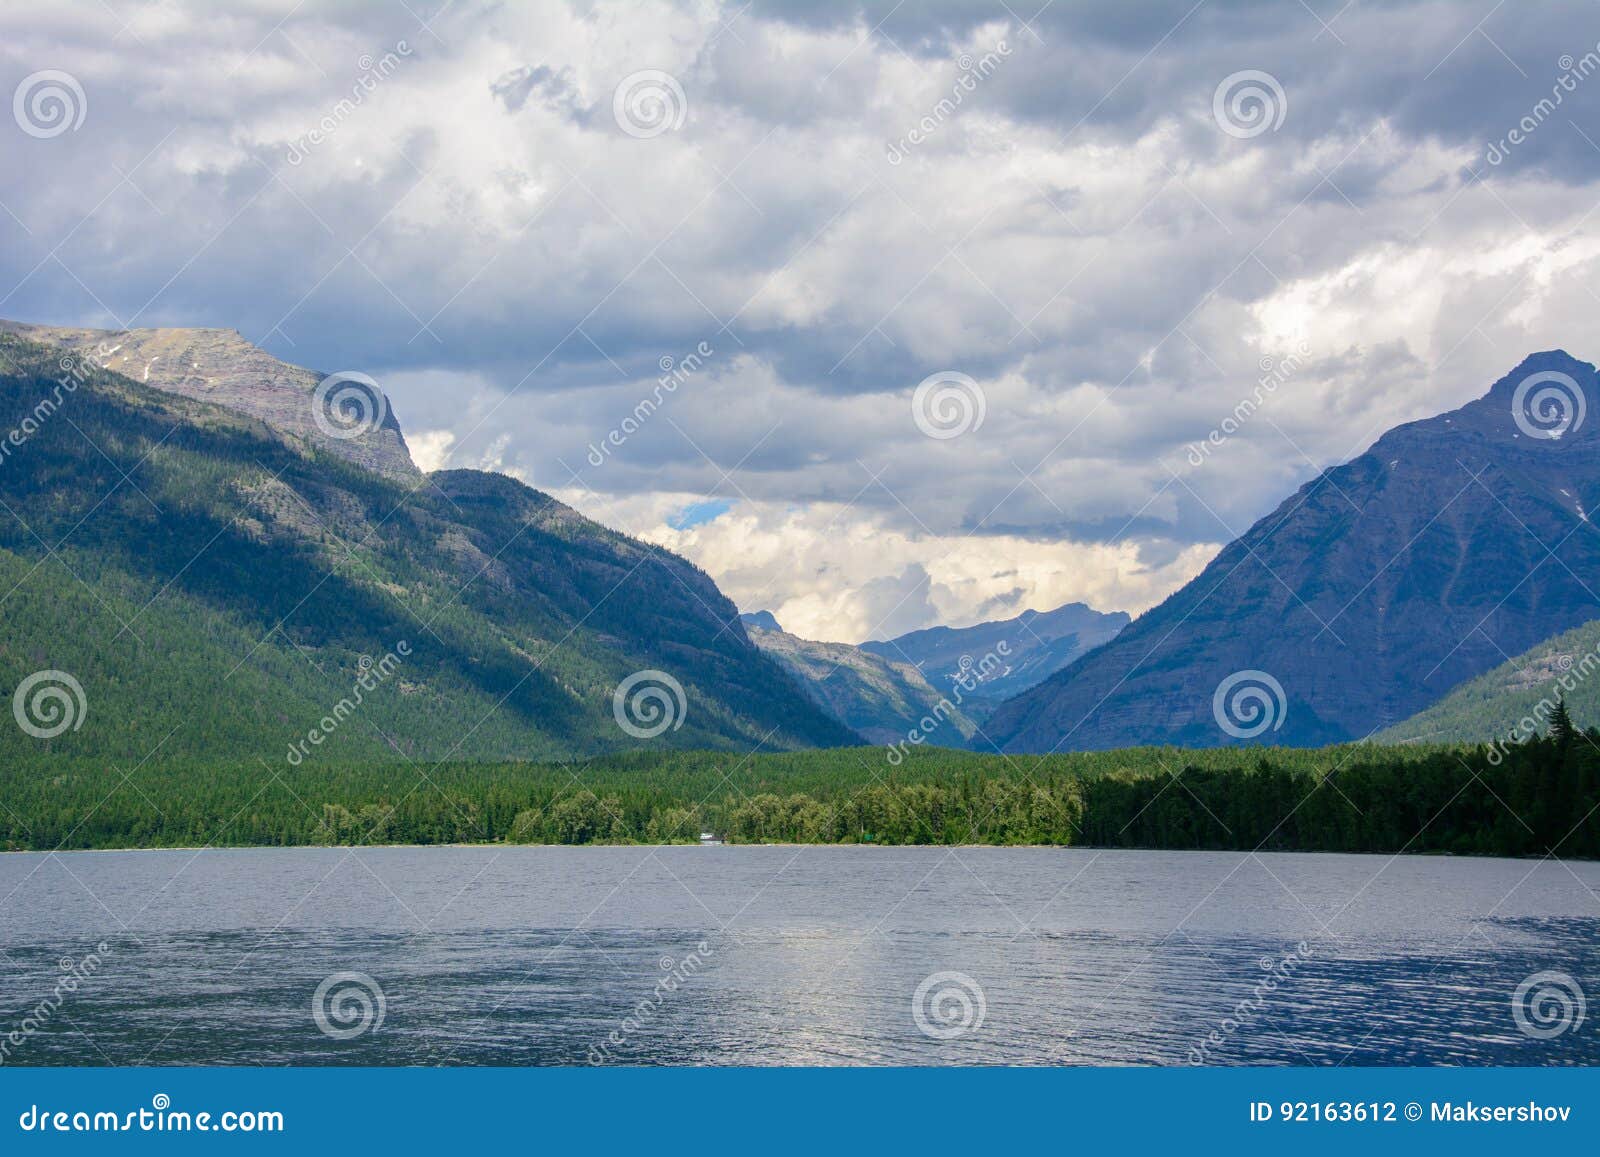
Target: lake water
(784,955)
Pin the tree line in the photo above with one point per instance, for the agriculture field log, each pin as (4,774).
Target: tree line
(1542,796)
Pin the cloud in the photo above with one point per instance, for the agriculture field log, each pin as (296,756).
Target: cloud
(845,573)
(442,196)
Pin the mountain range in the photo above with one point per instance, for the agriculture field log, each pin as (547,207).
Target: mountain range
(217,546)
(1020,652)
(886,689)
(199,567)
(881,700)
(1452,544)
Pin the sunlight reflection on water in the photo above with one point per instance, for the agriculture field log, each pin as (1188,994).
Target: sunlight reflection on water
(781,955)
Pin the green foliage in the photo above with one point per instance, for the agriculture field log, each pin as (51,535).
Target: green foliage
(1561,728)
(1365,798)
(1517,698)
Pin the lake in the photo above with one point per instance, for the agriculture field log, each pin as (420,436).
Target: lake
(794,956)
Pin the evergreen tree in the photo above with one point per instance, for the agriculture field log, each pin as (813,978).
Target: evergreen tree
(1561,728)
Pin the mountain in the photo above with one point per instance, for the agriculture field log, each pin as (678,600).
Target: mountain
(762,620)
(185,578)
(1366,596)
(220,366)
(1028,649)
(1495,704)
(881,700)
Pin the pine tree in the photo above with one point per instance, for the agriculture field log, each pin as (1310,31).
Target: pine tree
(1561,728)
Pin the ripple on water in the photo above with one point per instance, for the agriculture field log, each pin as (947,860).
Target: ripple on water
(741,956)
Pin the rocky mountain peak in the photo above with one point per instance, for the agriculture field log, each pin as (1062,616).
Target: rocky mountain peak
(1381,584)
(346,417)
(1551,400)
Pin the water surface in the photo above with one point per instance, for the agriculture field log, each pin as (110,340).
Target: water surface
(787,955)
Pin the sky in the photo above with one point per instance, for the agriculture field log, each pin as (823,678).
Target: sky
(886,315)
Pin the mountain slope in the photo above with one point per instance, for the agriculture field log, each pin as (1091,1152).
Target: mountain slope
(220,366)
(1383,583)
(881,700)
(1493,705)
(217,586)
(1032,646)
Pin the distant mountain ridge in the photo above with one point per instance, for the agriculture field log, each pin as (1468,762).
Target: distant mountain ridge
(879,699)
(1031,647)
(1367,595)
(761,620)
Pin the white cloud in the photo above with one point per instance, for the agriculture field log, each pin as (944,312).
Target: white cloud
(430,449)
(829,571)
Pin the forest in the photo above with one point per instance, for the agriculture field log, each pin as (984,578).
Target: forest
(1537,798)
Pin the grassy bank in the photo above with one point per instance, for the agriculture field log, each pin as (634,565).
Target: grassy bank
(1540,797)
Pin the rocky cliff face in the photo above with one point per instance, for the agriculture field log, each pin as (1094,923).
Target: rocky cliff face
(221,367)
(1452,544)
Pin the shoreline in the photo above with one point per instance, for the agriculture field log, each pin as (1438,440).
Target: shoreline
(1097,848)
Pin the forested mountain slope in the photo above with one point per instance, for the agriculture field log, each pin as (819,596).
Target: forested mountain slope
(217,586)
(1496,703)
